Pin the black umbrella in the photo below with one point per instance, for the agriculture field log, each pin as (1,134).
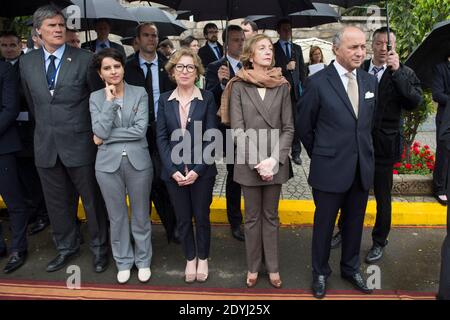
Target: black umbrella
(322,14)
(434,49)
(346,3)
(204,10)
(17,8)
(165,22)
(91,10)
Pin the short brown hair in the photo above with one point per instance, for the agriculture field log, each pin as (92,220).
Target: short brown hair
(170,65)
(249,50)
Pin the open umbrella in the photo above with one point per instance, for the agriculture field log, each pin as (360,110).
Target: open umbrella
(346,3)
(204,10)
(121,19)
(165,22)
(17,8)
(322,14)
(435,48)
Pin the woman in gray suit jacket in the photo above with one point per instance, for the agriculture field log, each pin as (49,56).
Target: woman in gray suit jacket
(261,117)
(123,166)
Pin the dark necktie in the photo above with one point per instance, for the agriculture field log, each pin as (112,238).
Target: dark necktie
(51,73)
(239,66)
(103,46)
(149,89)
(376,70)
(288,54)
(218,54)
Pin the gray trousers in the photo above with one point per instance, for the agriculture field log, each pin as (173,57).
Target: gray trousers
(114,187)
(261,224)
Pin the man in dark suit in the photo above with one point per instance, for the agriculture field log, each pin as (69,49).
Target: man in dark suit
(11,51)
(155,83)
(398,89)
(335,121)
(289,57)
(441,94)
(217,75)
(212,50)
(102,28)
(55,81)
(10,188)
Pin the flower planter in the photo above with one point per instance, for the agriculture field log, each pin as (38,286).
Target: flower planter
(412,185)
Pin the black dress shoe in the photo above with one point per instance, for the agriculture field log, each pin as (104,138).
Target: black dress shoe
(375,253)
(238,234)
(297,160)
(319,286)
(100,263)
(358,282)
(60,261)
(39,225)
(16,260)
(336,240)
(443,202)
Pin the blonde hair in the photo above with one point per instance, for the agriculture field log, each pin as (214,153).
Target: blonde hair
(170,65)
(311,53)
(249,50)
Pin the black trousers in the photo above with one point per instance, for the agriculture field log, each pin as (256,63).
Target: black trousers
(444,279)
(60,185)
(31,184)
(441,165)
(12,193)
(353,204)
(382,187)
(296,144)
(193,201)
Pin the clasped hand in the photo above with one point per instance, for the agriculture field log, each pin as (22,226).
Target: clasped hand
(182,180)
(265,168)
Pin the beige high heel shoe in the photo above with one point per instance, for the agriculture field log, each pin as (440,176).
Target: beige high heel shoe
(189,272)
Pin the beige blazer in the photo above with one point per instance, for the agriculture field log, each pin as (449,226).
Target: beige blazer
(266,126)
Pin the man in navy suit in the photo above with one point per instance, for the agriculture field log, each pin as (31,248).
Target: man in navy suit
(212,50)
(10,188)
(102,28)
(335,121)
(217,75)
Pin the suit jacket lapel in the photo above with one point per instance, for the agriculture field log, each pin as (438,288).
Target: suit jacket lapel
(128,106)
(175,107)
(259,103)
(192,112)
(41,72)
(336,83)
(66,62)
(362,93)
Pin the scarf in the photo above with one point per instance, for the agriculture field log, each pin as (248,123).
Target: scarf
(271,78)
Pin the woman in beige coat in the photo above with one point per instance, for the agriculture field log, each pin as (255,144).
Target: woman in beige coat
(261,117)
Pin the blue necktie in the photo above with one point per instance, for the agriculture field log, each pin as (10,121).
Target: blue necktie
(218,54)
(51,73)
(239,66)
(376,70)
(288,53)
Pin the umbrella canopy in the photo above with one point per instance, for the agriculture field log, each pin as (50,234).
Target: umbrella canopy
(203,10)
(165,22)
(121,20)
(17,8)
(346,3)
(322,14)
(434,49)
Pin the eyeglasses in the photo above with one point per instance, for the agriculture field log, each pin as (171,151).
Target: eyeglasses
(189,67)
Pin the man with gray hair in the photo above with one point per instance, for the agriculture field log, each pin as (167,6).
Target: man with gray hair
(55,82)
(335,122)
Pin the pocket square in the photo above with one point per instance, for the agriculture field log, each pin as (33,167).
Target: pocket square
(369,95)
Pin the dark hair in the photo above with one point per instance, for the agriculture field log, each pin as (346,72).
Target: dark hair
(166,43)
(107,53)
(382,30)
(10,33)
(145,24)
(283,21)
(97,21)
(186,42)
(231,28)
(252,24)
(207,26)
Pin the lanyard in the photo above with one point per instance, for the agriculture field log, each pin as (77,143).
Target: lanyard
(52,80)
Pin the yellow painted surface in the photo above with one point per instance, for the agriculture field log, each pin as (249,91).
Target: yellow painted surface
(301,212)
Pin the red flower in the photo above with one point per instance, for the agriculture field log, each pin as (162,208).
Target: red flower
(398,165)
(408,166)
(419,165)
(394,171)
(426,147)
(416,151)
(416,144)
